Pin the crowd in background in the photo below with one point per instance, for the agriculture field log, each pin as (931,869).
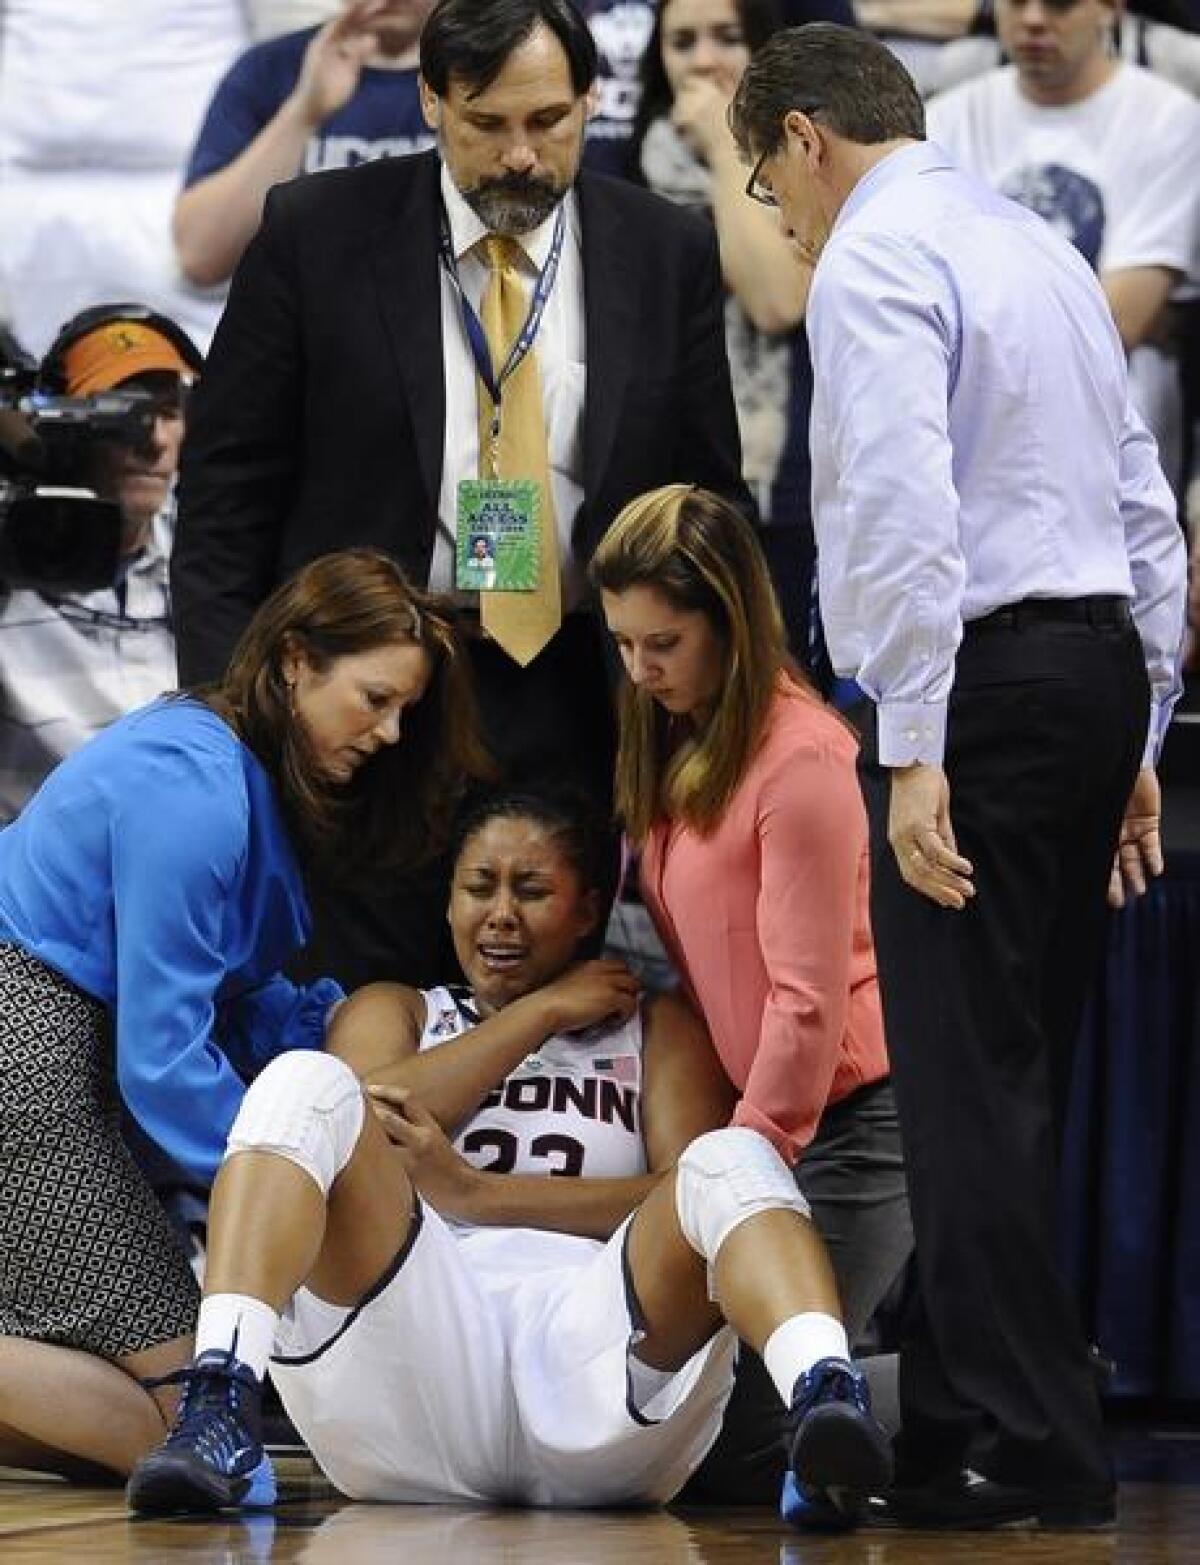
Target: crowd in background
(137,145)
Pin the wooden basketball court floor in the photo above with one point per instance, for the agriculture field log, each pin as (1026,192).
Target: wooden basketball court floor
(43,1521)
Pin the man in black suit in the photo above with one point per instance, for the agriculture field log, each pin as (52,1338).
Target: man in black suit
(339,403)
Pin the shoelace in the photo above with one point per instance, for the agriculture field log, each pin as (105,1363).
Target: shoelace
(842,1382)
(212,1414)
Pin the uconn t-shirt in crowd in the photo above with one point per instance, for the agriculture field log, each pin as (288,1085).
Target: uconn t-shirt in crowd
(622,31)
(382,120)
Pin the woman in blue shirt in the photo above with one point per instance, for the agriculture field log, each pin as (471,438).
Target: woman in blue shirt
(149,895)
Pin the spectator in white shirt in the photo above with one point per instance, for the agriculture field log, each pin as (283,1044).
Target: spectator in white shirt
(99,104)
(1107,153)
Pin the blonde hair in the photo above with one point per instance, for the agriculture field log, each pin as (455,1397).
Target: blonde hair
(701,554)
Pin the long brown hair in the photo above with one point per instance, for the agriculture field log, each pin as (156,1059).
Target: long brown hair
(398,809)
(701,554)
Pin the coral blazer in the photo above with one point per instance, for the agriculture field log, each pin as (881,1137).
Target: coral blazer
(766,918)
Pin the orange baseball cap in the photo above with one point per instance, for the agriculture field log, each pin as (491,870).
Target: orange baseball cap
(115,352)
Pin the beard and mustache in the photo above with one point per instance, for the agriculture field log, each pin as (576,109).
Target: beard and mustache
(514,204)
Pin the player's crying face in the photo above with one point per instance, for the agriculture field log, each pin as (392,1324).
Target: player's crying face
(518,909)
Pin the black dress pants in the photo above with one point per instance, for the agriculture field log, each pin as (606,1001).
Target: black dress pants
(1046,727)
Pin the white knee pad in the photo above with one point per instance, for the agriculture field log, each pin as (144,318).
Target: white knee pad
(307,1107)
(726,1176)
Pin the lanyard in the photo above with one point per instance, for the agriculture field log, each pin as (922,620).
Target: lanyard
(477,337)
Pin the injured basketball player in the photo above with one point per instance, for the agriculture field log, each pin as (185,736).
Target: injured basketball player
(500,1243)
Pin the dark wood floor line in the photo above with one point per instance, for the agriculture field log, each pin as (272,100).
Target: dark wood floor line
(1159,1524)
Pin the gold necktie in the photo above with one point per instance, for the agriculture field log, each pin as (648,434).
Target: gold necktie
(522,622)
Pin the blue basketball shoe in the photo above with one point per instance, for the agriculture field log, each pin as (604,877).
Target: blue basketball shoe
(838,1452)
(213,1459)
(813,1510)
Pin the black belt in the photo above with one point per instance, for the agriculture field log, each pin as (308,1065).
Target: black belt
(1105,613)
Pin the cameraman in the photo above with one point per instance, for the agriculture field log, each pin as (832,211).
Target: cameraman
(70,664)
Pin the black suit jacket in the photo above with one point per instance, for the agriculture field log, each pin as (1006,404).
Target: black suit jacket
(319,420)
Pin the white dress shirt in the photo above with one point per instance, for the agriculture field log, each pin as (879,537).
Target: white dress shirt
(973,443)
(559,347)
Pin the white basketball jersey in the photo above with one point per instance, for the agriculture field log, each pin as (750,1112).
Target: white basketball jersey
(573,1107)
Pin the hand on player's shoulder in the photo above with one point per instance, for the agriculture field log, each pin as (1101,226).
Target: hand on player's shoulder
(602,990)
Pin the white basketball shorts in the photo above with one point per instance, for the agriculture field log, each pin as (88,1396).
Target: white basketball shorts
(492,1365)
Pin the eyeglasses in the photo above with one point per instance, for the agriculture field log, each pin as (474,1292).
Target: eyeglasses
(763,194)
(757,191)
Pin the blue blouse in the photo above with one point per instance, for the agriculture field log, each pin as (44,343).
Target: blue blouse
(154,871)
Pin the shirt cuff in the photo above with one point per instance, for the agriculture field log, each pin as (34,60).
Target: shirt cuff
(1155,734)
(912,732)
(788,1146)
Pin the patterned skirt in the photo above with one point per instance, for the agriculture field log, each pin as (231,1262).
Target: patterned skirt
(88,1258)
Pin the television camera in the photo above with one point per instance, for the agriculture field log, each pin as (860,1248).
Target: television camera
(57,535)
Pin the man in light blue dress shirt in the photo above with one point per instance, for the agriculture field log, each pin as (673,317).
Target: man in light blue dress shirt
(1002,571)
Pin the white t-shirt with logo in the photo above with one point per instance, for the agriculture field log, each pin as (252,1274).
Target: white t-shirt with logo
(1118,174)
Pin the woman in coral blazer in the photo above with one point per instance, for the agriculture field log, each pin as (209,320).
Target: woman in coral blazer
(739,787)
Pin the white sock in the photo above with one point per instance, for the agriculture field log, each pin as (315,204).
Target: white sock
(235,1323)
(798,1344)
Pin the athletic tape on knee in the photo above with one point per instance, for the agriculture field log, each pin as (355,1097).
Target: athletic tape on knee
(306,1107)
(725,1177)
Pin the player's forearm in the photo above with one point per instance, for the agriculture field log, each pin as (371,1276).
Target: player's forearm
(216,218)
(592,1208)
(454,1079)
